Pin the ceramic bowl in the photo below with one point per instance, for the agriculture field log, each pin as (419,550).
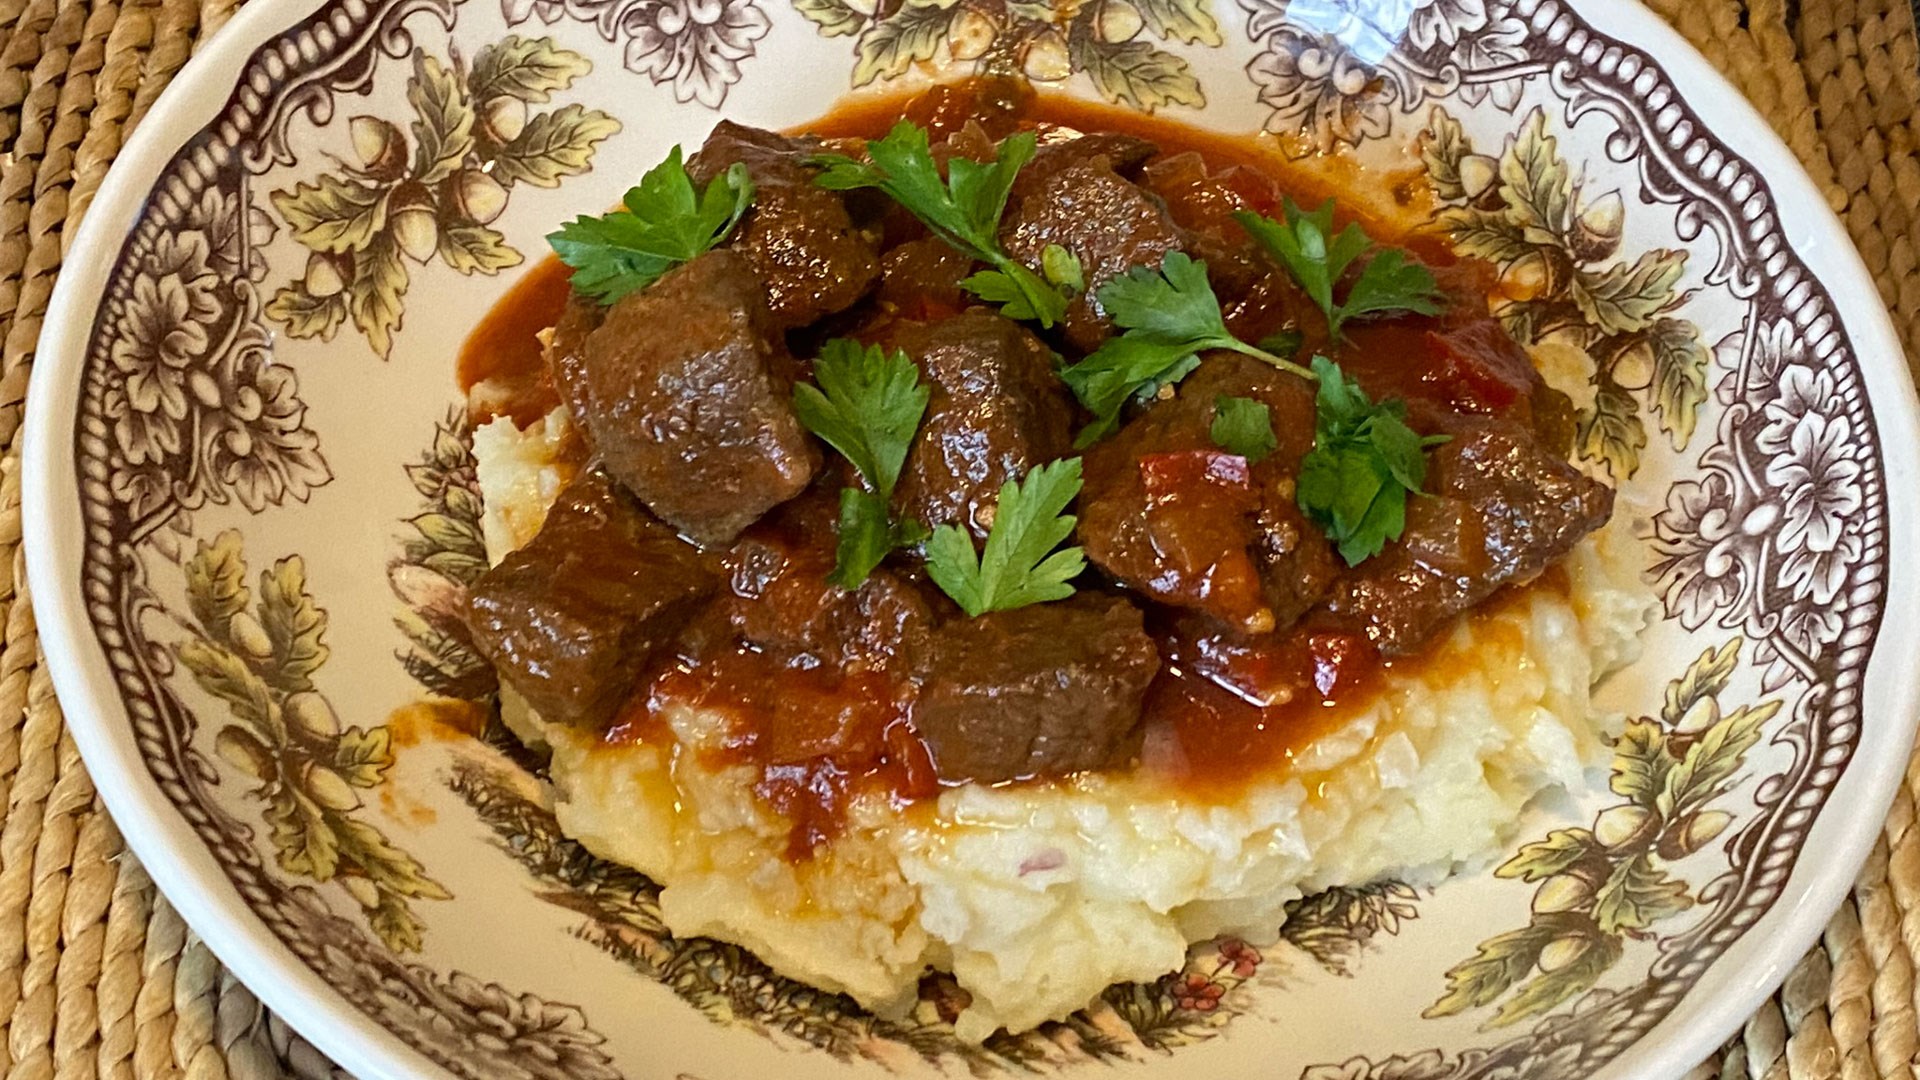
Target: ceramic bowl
(252,512)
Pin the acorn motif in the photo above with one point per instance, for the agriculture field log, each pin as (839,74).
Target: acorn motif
(1563,951)
(379,145)
(240,749)
(1694,833)
(1596,231)
(328,788)
(503,118)
(970,35)
(326,276)
(1530,275)
(1479,174)
(1633,366)
(1562,892)
(308,714)
(1119,21)
(1047,59)
(413,220)
(1701,715)
(473,195)
(1625,826)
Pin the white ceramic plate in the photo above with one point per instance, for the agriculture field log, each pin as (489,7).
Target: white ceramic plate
(246,382)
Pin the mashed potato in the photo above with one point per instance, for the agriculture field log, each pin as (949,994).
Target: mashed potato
(1023,891)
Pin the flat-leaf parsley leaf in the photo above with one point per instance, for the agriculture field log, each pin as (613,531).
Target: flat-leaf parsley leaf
(1243,426)
(663,223)
(963,209)
(867,405)
(1170,315)
(1364,463)
(1019,565)
(1316,257)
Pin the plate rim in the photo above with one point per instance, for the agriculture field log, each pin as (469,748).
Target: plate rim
(208,902)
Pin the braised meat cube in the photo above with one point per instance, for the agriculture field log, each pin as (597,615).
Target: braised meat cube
(920,279)
(571,619)
(996,410)
(1174,517)
(1036,691)
(799,237)
(686,393)
(566,352)
(1119,153)
(780,604)
(1109,223)
(1502,508)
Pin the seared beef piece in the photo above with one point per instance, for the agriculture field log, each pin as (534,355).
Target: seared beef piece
(1111,224)
(1037,691)
(996,410)
(920,279)
(685,392)
(799,237)
(1123,154)
(782,605)
(571,619)
(1502,508)
(1203,201)
(567,352)
(1468,364)
(1172,516)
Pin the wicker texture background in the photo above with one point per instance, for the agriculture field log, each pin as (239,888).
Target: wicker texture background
(100,978)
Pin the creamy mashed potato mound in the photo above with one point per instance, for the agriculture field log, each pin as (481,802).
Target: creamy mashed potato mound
(1037,896)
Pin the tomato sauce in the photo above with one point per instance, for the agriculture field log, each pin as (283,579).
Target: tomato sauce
(1217,715)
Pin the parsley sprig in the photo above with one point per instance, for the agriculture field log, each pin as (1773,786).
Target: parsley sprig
(1020,564)
(664,223)
(1364,463)
(1317,256)
(964,210)
(867,405)
(1243,426)
(1170,316)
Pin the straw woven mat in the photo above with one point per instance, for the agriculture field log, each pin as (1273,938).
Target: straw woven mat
(100,978)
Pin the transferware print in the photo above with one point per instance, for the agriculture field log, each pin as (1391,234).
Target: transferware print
(259,657)
(694,46)
(1614,317)
(1118,44)
(434,190)
(1774,532)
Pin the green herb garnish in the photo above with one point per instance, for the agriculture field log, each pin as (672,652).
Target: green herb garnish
(1317,256)
(964,210)
(664,224)
(1170,315)
(1364,463)
(867,405)
(1243,426)
(1020,565)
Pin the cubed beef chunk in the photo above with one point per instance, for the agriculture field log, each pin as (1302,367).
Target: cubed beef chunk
(1502,507)
(780,604)
(996,410)
(1037,691)
(571,619)
(1109,223)
(566,352)
(920,279)
(798,236)
(688,400)
(1112,150)
(1174,517)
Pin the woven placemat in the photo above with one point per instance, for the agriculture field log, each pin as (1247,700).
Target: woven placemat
(98,975)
